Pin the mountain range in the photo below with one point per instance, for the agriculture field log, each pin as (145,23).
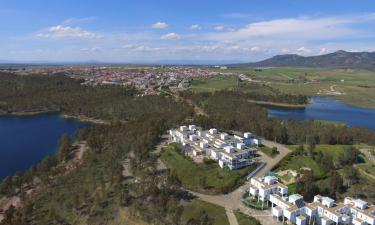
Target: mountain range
(339,59)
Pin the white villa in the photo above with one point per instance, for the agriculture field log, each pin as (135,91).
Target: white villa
(233,152)
(322,211)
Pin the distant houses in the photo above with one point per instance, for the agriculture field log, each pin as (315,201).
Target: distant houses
(231,151)
(322,211)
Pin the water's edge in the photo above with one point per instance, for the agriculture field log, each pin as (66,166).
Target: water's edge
(327,109)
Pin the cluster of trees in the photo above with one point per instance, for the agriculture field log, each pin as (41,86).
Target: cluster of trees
(257,92)
(263,92)
(37,93)
(226,110)
(333,183)
(97,189)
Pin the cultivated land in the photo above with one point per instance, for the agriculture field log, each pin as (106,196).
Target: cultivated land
(213,84)
(351,86)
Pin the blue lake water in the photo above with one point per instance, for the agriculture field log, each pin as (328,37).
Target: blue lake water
(25,140)
(322,108)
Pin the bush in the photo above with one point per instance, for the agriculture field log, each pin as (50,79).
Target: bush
(209,161)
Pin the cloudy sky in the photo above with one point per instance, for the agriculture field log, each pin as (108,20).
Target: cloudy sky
(154,30)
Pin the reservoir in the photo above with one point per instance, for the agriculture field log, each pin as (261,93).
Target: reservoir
(25,140)
(322,108)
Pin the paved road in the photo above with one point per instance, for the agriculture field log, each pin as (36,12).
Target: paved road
(271,162)
(232,201)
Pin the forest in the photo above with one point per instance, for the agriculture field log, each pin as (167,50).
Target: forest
(229,110)
(96,189)
(28,94)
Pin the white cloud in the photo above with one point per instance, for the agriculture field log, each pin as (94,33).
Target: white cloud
(159,25)
(66,32)
(140,48)
(323,51)
(304,50)
(128,46)
(170,36)
(219,28)
(195,27)
(295,28)
(91,50)
(255,49)
(254,41)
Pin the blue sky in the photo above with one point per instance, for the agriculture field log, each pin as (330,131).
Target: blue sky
(149,31)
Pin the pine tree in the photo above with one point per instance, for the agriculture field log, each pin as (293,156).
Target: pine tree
(64,147)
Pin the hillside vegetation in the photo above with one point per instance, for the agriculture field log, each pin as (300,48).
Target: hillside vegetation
(353,86)
(119,174)
(339,59)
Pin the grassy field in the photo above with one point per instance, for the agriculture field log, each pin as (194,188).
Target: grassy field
(268,151)
(213,84)
(365,175)
(126,218)
(206,178)
(243,219)
(357,87)
(333,150)
(194,210)
(368,168)
(295,162)
(292,189)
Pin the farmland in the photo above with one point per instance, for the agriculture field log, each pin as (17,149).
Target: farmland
(351,86)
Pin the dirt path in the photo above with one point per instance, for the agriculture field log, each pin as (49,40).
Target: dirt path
(197,110)
(81,149)
(159,148)
(231,217)
(365,173)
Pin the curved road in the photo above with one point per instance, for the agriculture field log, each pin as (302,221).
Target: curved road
(232,201)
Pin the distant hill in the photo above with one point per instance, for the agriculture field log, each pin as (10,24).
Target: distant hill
(339,59)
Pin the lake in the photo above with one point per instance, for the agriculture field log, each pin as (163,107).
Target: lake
(25,140)
(322,108)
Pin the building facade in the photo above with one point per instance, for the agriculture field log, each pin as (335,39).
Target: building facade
(322,211)
(231,151)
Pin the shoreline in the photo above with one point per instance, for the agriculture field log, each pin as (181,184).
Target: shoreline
(278,104)
(85,119)
(26,113)
(62,115)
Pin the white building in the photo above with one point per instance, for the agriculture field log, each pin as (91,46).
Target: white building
(231,152)
(263,187)
(322,211)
